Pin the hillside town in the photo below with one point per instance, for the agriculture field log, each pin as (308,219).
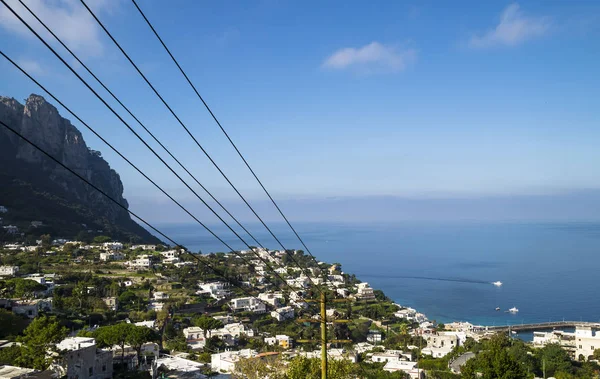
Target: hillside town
(103,308)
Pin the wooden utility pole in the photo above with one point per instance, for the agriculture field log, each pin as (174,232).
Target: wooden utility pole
(323,321)
(323,336)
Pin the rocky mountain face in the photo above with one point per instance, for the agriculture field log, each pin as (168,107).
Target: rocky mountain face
(26,168)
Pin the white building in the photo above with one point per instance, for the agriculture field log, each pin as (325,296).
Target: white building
(143,262)
(3,209)
(390,356)
(112,246)
(158,295)
(275,299)
(111,256)
(225,362)
(36,224)
(229,334)
(250,304)
(14,372)
(280,340)
(179,366)
(9,270)
(31,308)
(216,290)
(83,360)
(301,282)
(364,292)
(337,354)
(170,254)
(407,367)
(283,313)
(442,339)
(111,302)
(144,247)
(375,337)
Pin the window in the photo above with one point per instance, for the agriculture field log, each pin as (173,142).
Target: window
(580,347)
(104,367)
(91,371)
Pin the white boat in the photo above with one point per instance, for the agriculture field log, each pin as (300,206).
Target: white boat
(497,284)
(513,310)
(497,308)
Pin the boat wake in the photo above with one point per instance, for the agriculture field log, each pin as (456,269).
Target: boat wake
(458,280)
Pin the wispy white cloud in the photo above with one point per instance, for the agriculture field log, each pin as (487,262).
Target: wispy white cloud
(68,19)
(514,28)
(31,66)
(372,58)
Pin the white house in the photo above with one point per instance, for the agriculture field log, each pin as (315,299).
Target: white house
(111,256)
(225,362)
(180,366)
(390,356)
(281,340)
(587,340)
(283,313)
(216,290)
(407,367)
(112,246)
(374,336)
(364,292)
(251,304)
(160,295)
(170,254)
(83,360)
(229,334)
(142,262)
(442,339)
(111,302)
(9,270)
(275,299)
(143,247)
(31,308)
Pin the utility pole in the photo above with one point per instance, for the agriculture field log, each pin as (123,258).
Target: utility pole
(323,321)
(323,336)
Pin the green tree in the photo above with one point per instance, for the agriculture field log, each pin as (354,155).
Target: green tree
(555,359)
(101,239)
(310,368)
(46,241)
(11,324)
(136,336)
(39,339)
(207,324)
(108,336)
(494,362)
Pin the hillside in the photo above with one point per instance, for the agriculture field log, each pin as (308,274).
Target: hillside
(33,188)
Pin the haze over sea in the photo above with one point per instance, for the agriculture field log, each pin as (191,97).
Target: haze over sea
(445,270)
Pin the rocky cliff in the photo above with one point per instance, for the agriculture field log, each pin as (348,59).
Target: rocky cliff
(27,174)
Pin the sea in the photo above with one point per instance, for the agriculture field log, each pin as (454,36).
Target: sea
(549,271)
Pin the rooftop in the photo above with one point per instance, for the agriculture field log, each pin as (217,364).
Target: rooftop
(76,343)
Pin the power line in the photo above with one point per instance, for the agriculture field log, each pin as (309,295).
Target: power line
(139,137)
(142,125)
(190,134)
(138,170)
(215,270)
(223,130)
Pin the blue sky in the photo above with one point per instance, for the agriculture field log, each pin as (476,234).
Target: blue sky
(417,100)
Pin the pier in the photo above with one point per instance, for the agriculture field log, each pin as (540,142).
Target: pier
(540,326)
